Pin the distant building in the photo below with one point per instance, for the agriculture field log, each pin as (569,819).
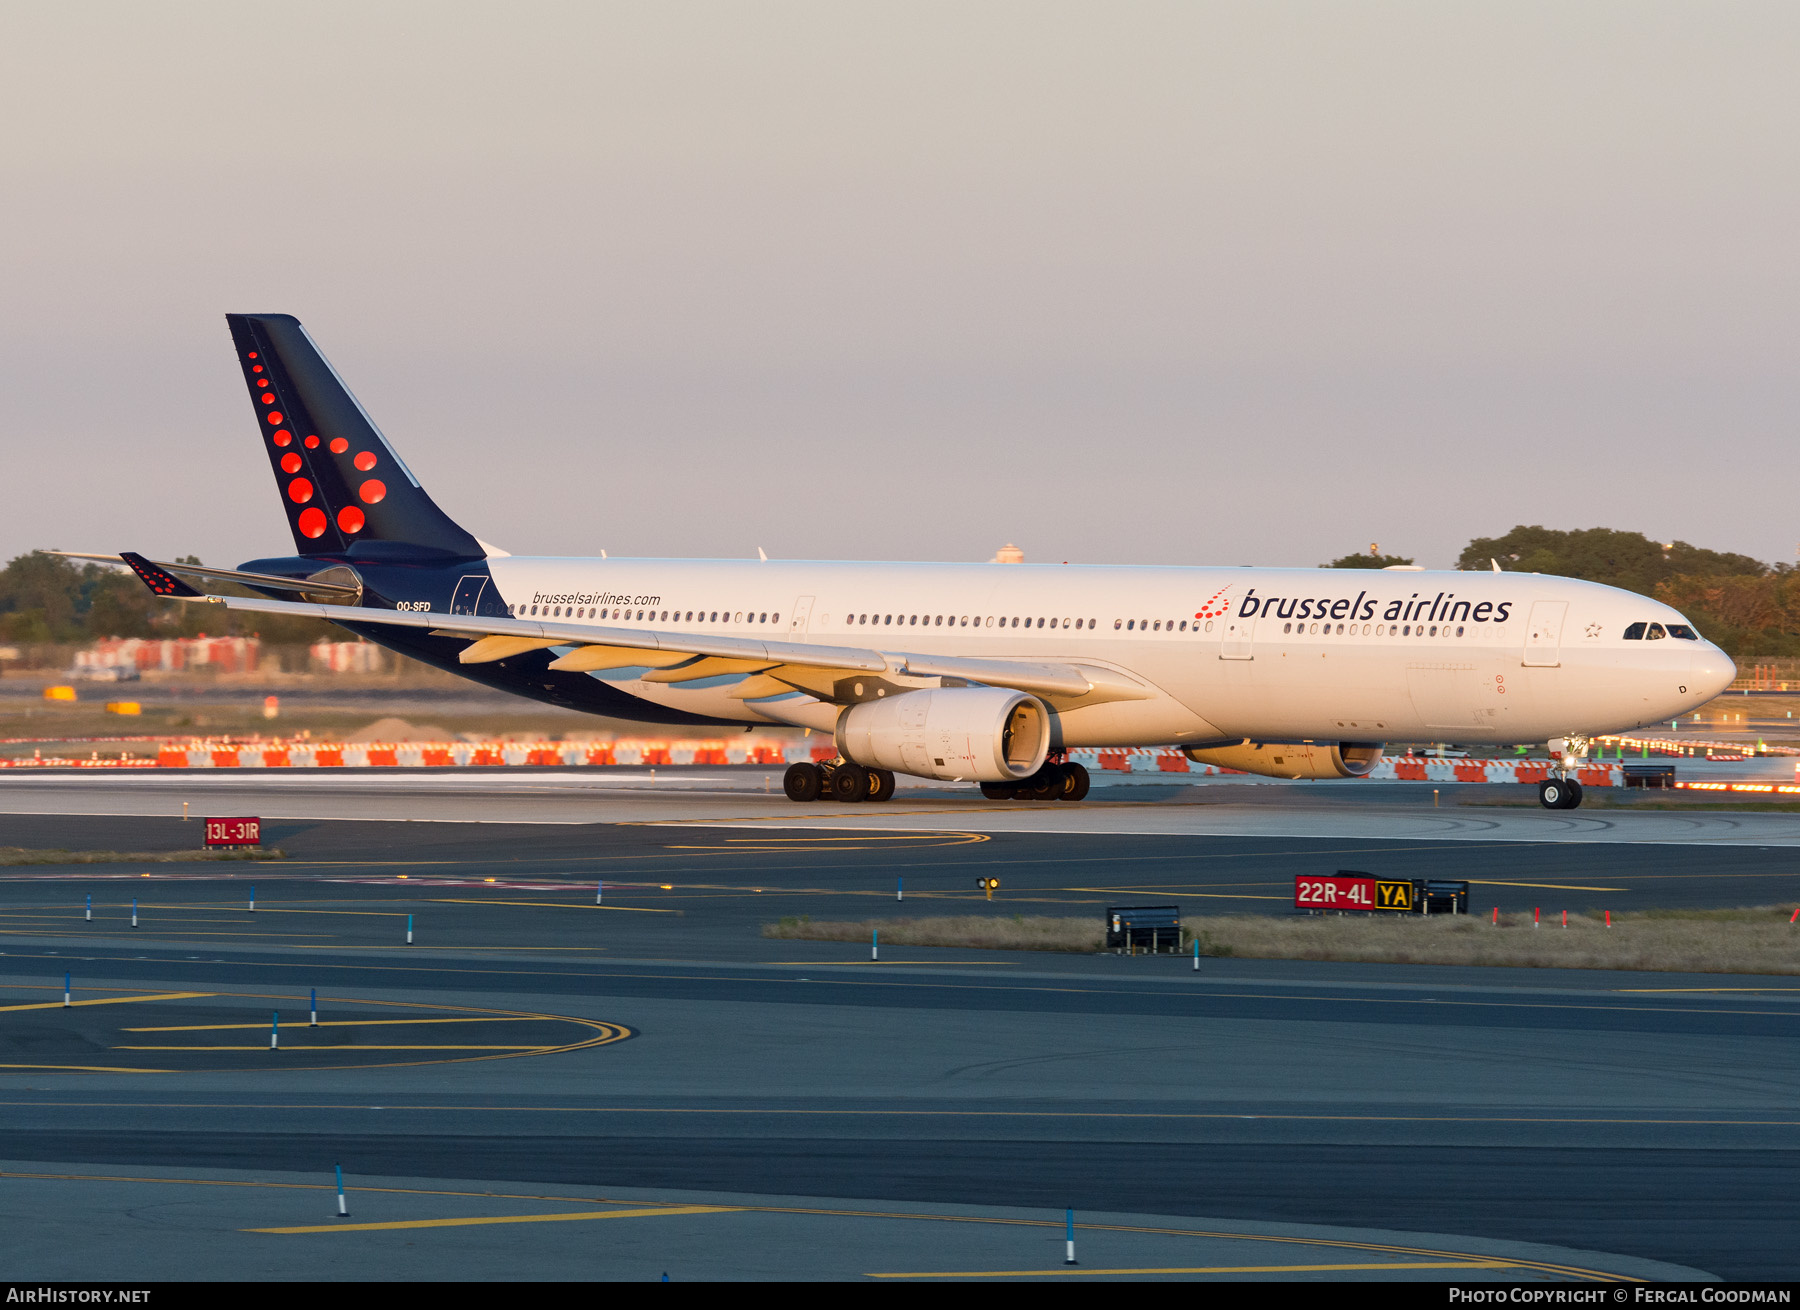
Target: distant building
(1008,554)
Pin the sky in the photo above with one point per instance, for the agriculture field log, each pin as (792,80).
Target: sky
(1188,283)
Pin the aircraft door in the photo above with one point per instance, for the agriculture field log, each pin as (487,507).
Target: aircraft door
(1543,634)
(802,614)
(1237,641)
(468,594)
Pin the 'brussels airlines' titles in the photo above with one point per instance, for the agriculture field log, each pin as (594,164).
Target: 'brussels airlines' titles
(1364,608)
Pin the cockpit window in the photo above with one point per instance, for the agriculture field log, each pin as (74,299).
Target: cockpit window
(1635,632)
(1656,633)
(1683,631)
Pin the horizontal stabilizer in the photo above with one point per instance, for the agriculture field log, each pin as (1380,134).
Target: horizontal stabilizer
(157,578)
(270,580)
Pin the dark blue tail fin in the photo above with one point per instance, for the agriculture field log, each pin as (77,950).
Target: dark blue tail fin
(340,481)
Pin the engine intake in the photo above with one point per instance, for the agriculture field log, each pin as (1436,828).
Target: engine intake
(1292,759)
(983,734)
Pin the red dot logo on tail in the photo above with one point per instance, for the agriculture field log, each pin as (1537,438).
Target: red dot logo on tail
(312,522)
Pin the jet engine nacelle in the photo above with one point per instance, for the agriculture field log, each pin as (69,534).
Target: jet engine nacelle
(982,734)
(1292,759)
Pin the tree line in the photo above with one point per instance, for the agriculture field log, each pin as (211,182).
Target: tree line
(45,599)
(1746,606)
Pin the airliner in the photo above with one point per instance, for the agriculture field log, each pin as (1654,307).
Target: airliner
(985,673)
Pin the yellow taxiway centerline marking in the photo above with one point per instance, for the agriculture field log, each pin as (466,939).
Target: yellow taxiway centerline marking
(1546,886)
(548,905)
(340,1050)
(111,1000)
(1217,1269)
(503,1219)
(845,964)
(330,1023)
(1461,1258)
(82,1068)
(1114,891)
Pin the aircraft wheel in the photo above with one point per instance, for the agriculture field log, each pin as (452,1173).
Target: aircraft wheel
(849,782)
(1559,794)
(881,785)
(803,782)
(1075,783)
(1000,791)
(1044,785)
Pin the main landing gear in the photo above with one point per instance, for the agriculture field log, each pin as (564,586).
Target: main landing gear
(1053,782)
(837,782)
(852,783)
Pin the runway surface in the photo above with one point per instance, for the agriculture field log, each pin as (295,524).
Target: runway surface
(729,1105)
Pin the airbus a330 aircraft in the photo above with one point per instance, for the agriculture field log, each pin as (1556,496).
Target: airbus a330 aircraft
(988,673)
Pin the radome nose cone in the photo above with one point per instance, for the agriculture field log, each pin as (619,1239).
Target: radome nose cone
(1712,672)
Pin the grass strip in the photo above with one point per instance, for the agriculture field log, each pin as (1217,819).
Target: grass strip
(1750,940)
(13,855)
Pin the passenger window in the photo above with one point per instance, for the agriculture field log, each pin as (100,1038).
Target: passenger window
(1117,624)
(1130,625)
(1287,627)
(1184,625)
(1158,627)
(1656,633)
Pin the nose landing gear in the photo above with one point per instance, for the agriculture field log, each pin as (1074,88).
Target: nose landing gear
(1561,790)
(1559,793)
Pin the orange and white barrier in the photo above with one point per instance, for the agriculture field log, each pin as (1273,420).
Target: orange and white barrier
(464,754)
(1390,768)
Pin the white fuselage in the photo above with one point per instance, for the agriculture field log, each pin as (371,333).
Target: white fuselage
(1267,654)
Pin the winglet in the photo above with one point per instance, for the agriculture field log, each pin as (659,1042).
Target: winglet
(159,580)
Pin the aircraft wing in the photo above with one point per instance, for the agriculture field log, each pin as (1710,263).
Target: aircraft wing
(774,667)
